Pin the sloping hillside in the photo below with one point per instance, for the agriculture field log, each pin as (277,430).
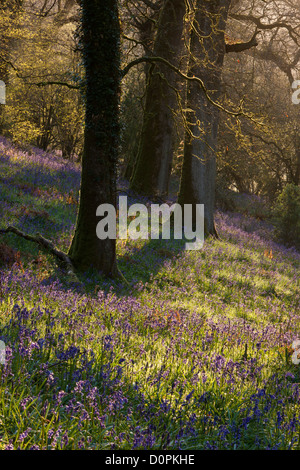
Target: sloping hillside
(196,354)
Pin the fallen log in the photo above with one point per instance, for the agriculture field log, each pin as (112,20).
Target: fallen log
(45,244)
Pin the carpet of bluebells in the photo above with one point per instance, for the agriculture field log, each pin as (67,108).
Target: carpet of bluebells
(196,353)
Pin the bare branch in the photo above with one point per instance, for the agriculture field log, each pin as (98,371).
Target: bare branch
(68,85)
(39,84)
(267,26)
(198,80)
(242,46)
(284,66)
(42,242)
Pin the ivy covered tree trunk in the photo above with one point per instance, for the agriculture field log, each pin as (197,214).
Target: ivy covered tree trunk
(154,160)
(101,55)
(207,50)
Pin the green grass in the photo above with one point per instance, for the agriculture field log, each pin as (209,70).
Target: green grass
(195,354)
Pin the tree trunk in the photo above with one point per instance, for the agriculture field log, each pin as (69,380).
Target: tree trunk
(154,160)
(101,54)
(297,169)
(146,31)
(207,50)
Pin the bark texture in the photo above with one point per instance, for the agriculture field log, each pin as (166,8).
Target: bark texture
(207,50)
(101,54)
(154,160)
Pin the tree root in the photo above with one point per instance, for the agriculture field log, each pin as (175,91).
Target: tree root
(117,275)
(215,233)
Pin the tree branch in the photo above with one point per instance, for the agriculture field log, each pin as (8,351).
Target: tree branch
(198,80)
(242,46)
(266,26)
(43,243)
(284,66)
(68,85)
(152,5)
(39,84)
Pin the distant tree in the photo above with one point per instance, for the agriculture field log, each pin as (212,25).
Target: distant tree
(207,51)
(139,21)
(286,211)
(154,160)
(100,41)
(261,159)
(8,11)
(208,46)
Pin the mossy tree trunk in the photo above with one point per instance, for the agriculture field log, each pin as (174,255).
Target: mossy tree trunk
(101,55)
(154,160)
(207,48)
